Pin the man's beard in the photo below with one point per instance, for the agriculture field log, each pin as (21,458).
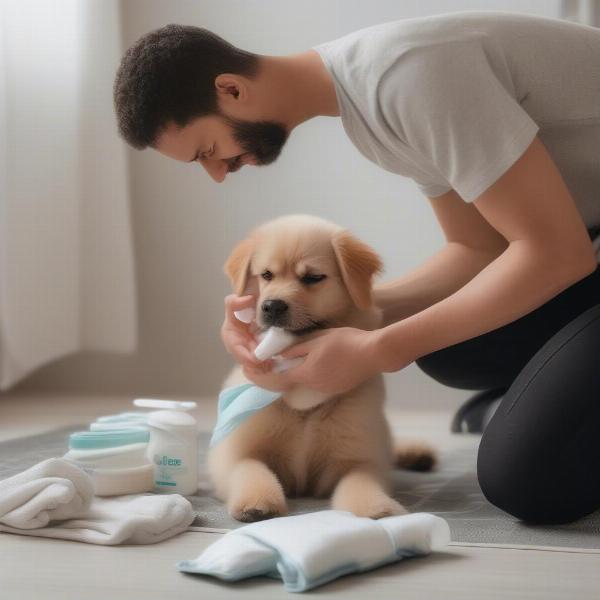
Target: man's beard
(262,139)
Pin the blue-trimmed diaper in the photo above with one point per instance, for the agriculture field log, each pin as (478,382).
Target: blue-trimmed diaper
(308,550)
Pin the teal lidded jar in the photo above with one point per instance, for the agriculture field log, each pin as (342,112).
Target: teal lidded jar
(115,459)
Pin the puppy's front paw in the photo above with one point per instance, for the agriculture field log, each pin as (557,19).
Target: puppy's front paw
(373,507)
(384,507)
(250,510)
(363,494)
(255,492)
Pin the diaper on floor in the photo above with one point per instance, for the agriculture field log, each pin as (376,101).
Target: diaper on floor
(308,550)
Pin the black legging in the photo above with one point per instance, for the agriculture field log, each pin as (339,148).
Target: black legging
(539,456)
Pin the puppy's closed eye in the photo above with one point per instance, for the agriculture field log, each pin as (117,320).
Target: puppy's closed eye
(311,279)
(306,279)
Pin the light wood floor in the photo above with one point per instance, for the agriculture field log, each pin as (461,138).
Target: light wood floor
(42,569)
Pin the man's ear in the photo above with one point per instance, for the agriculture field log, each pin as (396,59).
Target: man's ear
(237,266)
(358,264)
(231,87)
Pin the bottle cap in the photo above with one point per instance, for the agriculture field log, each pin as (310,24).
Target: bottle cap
(164,404)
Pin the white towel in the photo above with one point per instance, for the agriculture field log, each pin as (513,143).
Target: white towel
(308,550)
(55,499)
(49,491)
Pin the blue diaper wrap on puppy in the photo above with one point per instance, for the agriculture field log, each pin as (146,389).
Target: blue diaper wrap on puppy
(237,404)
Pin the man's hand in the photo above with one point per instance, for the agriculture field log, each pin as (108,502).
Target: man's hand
(237,336)
(336,360)
(265,378)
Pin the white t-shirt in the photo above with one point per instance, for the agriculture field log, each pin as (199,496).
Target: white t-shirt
(453,100)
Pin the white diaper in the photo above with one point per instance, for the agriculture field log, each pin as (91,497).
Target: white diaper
(308,550)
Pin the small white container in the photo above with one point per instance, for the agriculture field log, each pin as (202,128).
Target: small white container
(173,447)
(116,460)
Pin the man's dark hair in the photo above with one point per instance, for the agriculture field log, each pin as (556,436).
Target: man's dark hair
(168,76)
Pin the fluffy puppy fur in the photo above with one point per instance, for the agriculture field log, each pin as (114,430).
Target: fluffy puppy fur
(309,274)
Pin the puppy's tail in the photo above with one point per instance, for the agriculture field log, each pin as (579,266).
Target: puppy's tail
(415,456)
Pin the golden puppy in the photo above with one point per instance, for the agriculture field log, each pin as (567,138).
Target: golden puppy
(310,274)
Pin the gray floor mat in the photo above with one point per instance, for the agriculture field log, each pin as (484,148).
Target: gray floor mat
(451,492)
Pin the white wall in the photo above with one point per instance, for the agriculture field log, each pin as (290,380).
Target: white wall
(185,225)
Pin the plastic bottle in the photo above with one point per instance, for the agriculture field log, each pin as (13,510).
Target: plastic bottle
(173,446)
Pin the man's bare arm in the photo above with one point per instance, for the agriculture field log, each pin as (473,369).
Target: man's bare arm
(549,250)
(471,244)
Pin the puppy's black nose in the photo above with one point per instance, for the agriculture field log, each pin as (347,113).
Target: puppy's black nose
(275,312)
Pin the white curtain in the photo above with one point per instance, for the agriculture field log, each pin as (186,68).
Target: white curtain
(581,11)
(66,261)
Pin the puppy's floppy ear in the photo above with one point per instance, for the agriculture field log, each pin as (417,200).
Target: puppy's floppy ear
(237,266)
(358,264)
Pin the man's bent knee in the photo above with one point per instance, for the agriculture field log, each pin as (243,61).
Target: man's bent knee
(526,490)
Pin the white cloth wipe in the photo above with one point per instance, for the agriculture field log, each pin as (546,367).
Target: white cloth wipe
(55,499)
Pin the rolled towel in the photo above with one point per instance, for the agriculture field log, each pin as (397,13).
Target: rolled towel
(53,511)
(52,490)
(308,550)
